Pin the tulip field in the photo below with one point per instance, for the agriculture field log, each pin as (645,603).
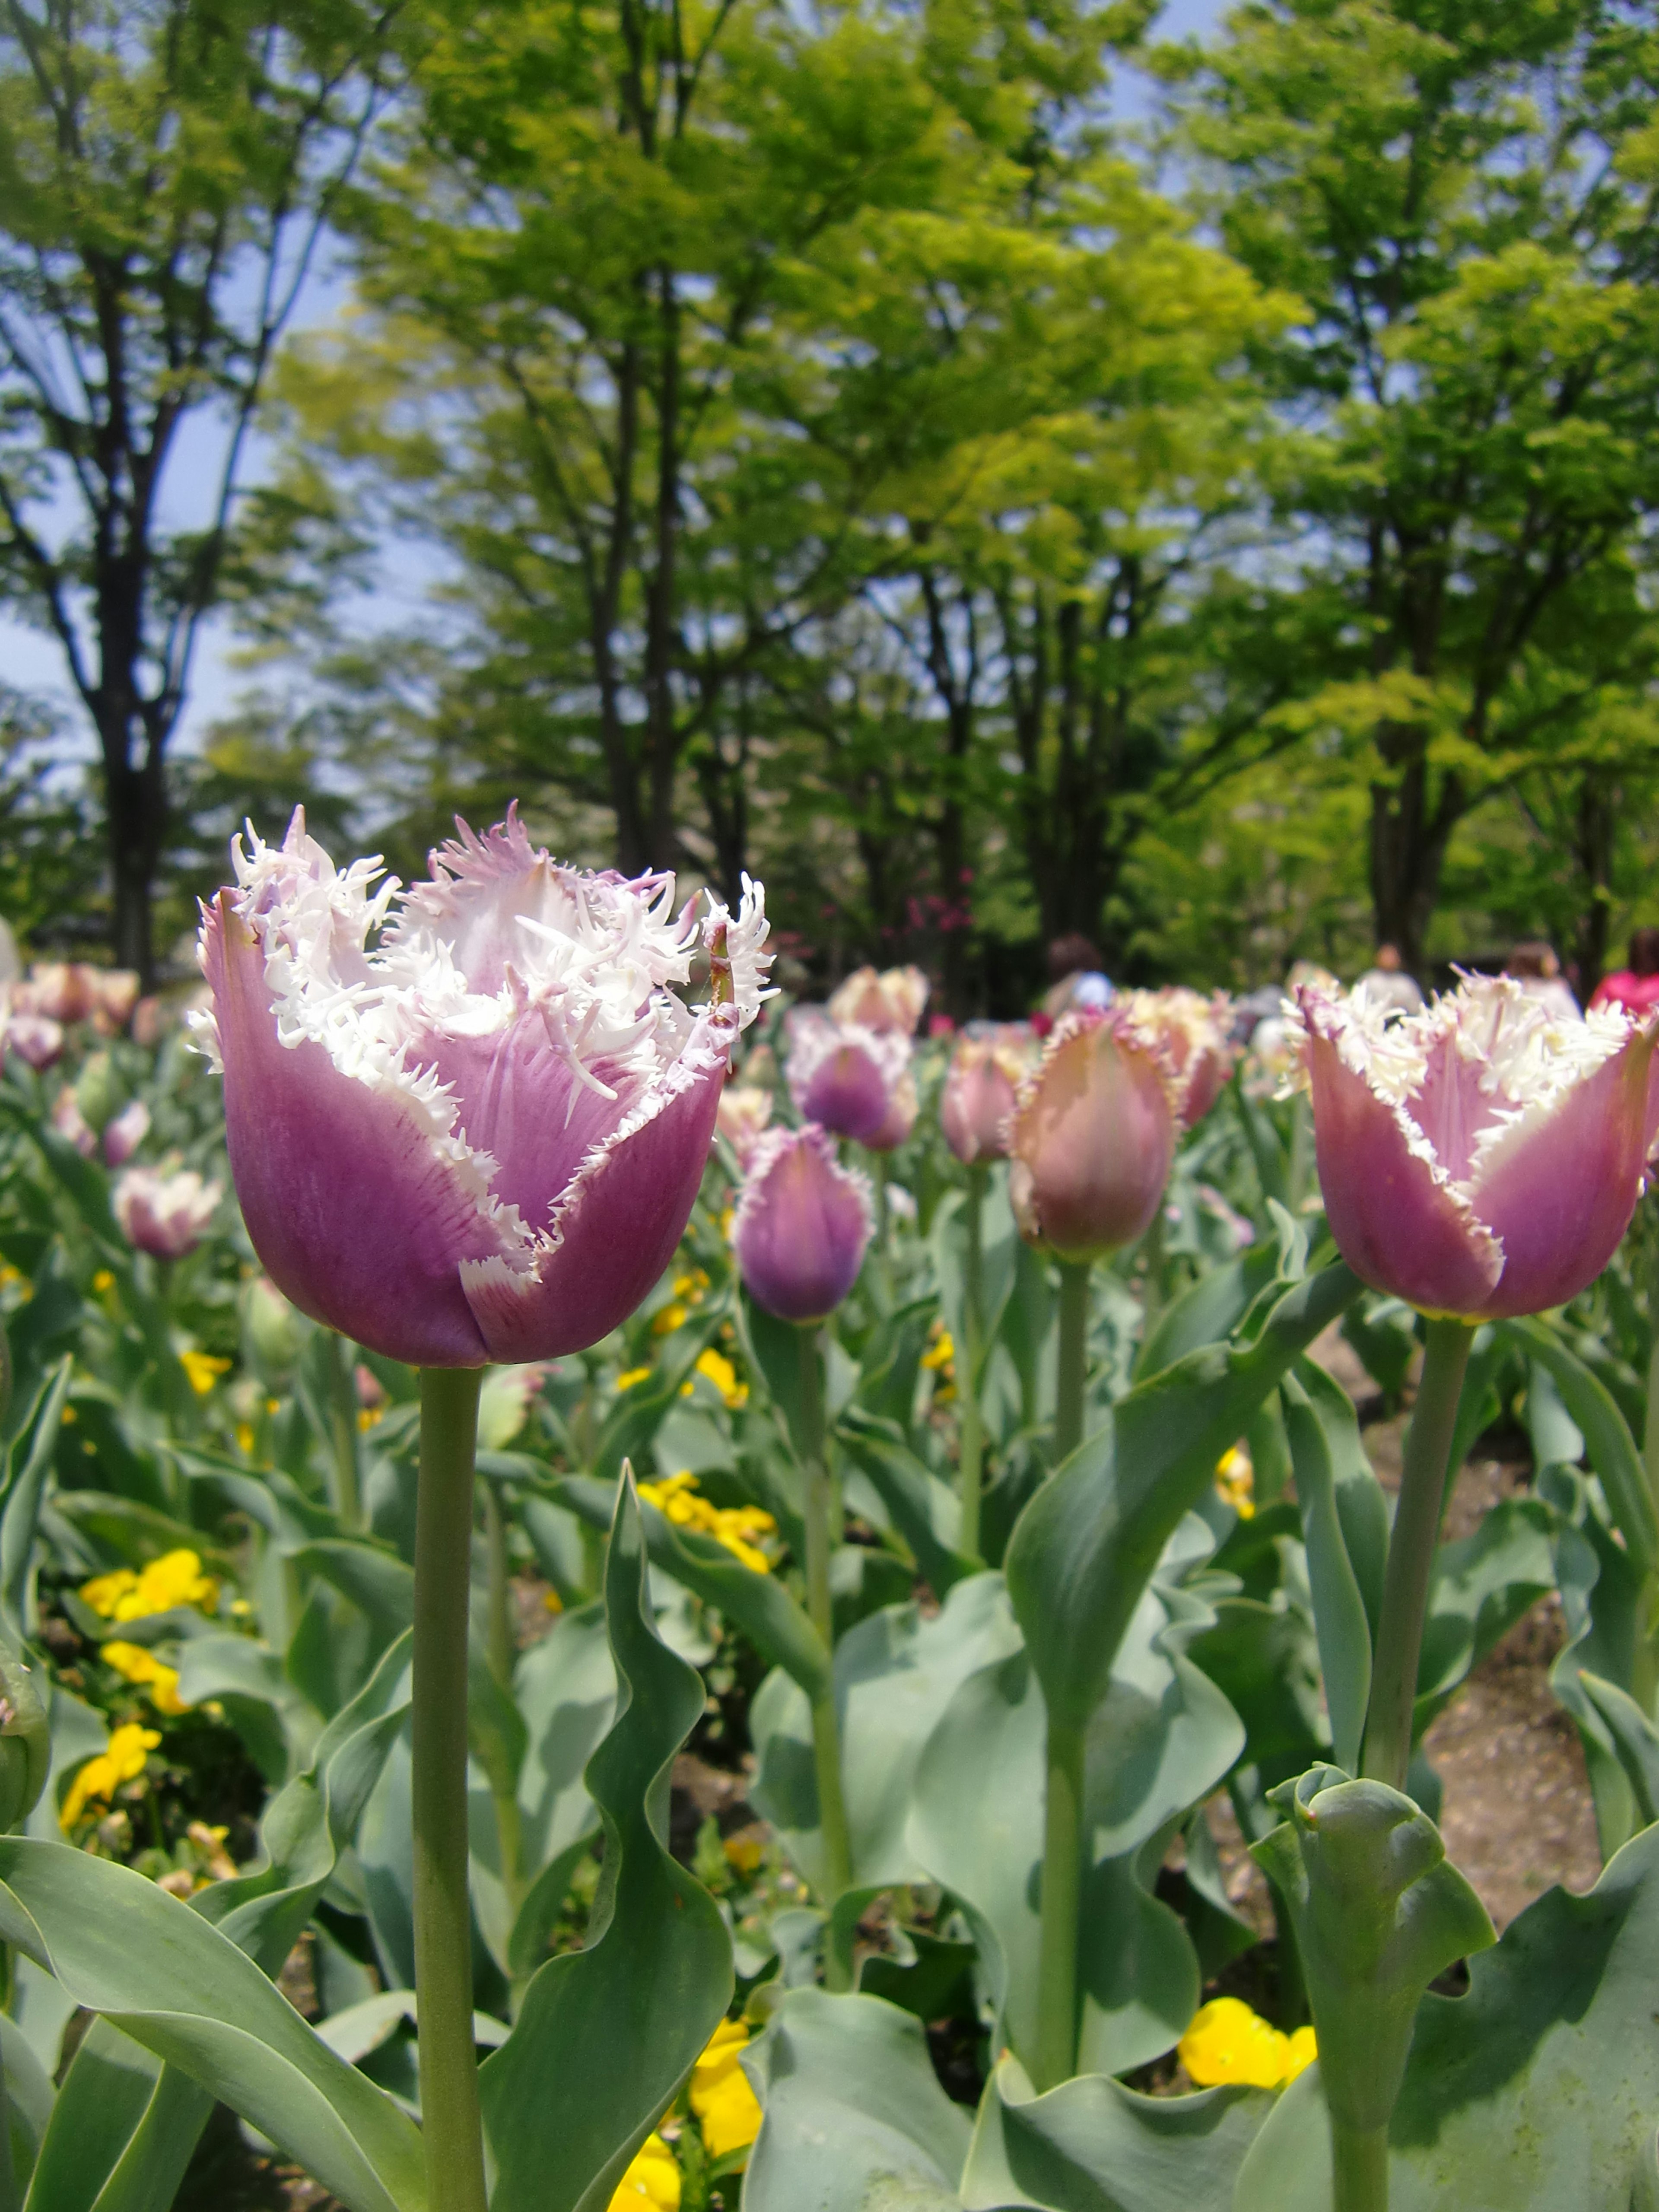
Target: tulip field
(619,1592)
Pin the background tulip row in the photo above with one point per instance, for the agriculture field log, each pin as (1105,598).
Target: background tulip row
(851,1577)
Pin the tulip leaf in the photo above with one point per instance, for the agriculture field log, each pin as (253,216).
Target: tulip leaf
(633,1422)
(1313,1422)
(122,2132)
(758,1603)
(606,2035)
(999,1243)
(1536,2088)
(28,1465)
(1634,1740)
(1600,1601)
(924,1512)
(856,2119)
(1612,1449)
(1085,1547)
(565,1688)
(1482,1585)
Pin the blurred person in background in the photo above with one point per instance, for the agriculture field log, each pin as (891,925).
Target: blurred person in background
(1386,983)
(1636,985)
(1534,967)
(1076,978)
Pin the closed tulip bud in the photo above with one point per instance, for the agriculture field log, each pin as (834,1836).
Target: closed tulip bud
(126,1132)
(1481,1159)
(114,996)
(467,1122)
(63,991)
(35,1038)
(1092,1137)
(844,1078)
(889,1003)
(744,1113)
(165,1215)
(1193,1030)
(801,1225)
(99,1091)
(270,1328)
(981,1087)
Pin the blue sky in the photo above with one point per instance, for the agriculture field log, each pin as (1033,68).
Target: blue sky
(31,661)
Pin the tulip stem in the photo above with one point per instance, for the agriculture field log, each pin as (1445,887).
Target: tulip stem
(500,1646)
(968,1366)
(1069,1383)
(1360,2169)
(816,1506)
(343,1421)
(443,1920)
(1411,1554)
(1055,2055)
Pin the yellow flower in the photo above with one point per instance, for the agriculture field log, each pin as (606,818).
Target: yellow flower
(245,1437)
(941,1351)
(726,2107)
(13,1279)
(102,1281)
(176,1578)
(668,1319)
(654,2178)
(676,1496)
(691,1288)
(1228,2042)
(743,1853)
(135,1664)
(367,1415)
(718,1370)
(101,1778)
(204,1369)
(1235,1481)
(631,1376)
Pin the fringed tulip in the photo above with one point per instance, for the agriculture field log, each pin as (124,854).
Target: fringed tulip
(63,991)
(479,1138)
(981,1089)
(1481,1158)
(890,1003)
(165,1215)
(845,1078)
(744,1113)
(903,1106)
(1194,1030)
(125,1132)
(802,1224)
(1093,1136)
(35,1038)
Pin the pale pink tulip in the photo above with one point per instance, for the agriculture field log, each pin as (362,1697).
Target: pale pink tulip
(1092,1137)
(63,991)
(480,1138)
(981,1087)
(1194,1028)
(889,1002)
(124,1135)
(744,1113)
(165,1215)
(1481,1158)
(35,1038)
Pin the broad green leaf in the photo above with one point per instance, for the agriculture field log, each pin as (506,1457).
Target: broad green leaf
(1340,1625)
(1537,2089)
(606,2035)
(925,1512)
(1087,1544)
(28,1466)
(158,1971)
(1612,1449)
(122,2130)
(1602,1598)
(1634,1740)
(1093,2146)
(856,2119)
(1481,1586)
(633,1422)
(758,1603)
(565,1688)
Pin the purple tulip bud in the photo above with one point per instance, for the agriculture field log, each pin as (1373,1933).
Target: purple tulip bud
(124,1135)
(1193,1032)
(1481,1158)
(478,1137)
(981,1088)
(802,1224)
(165,1215)
(845,1078)
(1092,1137)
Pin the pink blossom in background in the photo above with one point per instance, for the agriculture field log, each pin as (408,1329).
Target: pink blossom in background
(166,1215)
(891,1000)
(980,1090)
(467,1122)
(126,1132)
(1481,1158)
(71,1123)
(845,1078)
(35,1038)
(1194,1029)
(744,1113)
(1092,1137)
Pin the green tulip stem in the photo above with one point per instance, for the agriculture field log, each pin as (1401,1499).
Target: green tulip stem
(1074,1357)
(343,1423)
(1151,1250)
(1411,1554)
(969,1359)
(500,1647)
(1359,2161)
(1056,2055)
(1650,1430)
(443,1920)
(817,1504)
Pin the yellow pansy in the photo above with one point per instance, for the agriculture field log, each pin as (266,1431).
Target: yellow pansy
(101,1778)
(176,1578)
(734,1526)
(1228,2042)
(1234,1481)
(135,1664)
(631,1376)
(727,2109)
(654,2178)
(204,1369)
(717,1368)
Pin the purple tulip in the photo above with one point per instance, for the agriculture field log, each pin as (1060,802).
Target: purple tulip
(981,1087)
(35,1038)
(846,1078)
(1093,1136)
(165,1215)
(479,1138)
(802,1224)
(1481,1158)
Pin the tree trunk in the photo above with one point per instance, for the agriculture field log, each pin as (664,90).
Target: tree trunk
(1593,838)
(135,799)
(660,637)
(1408,844)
